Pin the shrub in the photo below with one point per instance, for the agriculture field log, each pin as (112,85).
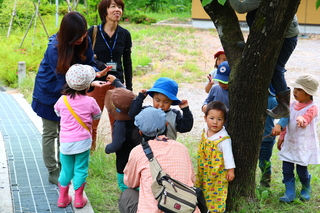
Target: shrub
(138,18)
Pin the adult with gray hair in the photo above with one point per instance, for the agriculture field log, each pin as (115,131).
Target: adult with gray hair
(173,157)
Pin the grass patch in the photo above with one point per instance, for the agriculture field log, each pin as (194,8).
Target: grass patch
(102,188)
(104,193)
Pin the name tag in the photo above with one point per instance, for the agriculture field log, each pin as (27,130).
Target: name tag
(113,64)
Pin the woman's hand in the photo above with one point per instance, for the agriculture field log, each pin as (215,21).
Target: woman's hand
(103,72)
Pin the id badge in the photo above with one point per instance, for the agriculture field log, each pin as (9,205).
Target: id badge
(113,64)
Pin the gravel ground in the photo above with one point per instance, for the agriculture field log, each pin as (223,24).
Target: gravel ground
(305,59)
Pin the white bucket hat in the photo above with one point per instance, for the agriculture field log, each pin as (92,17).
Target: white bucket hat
(79,76)
(308,83)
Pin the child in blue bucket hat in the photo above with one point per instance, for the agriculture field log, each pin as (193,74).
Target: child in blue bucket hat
(164,94)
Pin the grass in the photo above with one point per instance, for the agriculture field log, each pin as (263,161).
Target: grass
(104,193)
(173,53)
(102,188)
(151,44)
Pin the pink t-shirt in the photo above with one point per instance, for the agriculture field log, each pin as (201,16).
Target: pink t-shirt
(86,108)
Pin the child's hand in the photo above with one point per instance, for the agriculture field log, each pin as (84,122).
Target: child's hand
(279,144)
(210,79)
(111,78)
(204,108)
(183,104)
(301,122)
(144,91)
(230,175)
(276,130)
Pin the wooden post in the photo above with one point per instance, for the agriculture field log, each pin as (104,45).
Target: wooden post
(21,72)
(150,66)
(139,67)
(147,69)
(11,20)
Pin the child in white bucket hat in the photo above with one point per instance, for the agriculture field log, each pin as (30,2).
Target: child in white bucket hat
(299,144)
(77,110)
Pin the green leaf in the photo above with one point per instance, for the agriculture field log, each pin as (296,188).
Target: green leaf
(205,2)
(222,2)
(317,4)
(264,194)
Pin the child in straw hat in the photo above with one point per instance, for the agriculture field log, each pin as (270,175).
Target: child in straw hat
(299,143)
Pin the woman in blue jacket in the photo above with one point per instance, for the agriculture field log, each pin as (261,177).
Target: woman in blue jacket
(69,46)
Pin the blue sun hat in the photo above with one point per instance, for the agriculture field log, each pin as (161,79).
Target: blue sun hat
(166,86)
(145,121)
(223,73)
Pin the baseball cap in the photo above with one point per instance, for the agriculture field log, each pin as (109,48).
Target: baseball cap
(219,51)
(223,73)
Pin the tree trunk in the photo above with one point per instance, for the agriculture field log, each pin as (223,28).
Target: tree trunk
(251,71)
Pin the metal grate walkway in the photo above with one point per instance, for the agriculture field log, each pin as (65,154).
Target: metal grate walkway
(28,176)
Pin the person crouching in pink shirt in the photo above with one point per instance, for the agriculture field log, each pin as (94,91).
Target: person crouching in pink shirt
(173,157)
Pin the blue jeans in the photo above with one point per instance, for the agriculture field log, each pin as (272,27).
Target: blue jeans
(278,80)
(288,174)
(289,44)
(74,167)
(265,155)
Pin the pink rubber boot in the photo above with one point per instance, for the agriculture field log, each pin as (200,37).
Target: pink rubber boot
(64,198)
(79,200)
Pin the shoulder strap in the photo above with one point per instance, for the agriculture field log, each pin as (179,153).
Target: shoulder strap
(94,35)
(155,167)
(223,138)
(74,114)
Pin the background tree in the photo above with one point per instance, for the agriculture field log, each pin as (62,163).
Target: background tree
(252,67)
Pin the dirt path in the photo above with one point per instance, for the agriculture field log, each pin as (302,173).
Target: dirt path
(305,59)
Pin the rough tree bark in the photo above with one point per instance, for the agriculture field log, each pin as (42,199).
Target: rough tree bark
(251,71)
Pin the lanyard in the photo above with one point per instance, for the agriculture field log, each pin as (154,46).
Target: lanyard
(114,43)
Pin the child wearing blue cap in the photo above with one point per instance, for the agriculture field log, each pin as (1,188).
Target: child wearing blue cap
(164,94)
(219,92)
